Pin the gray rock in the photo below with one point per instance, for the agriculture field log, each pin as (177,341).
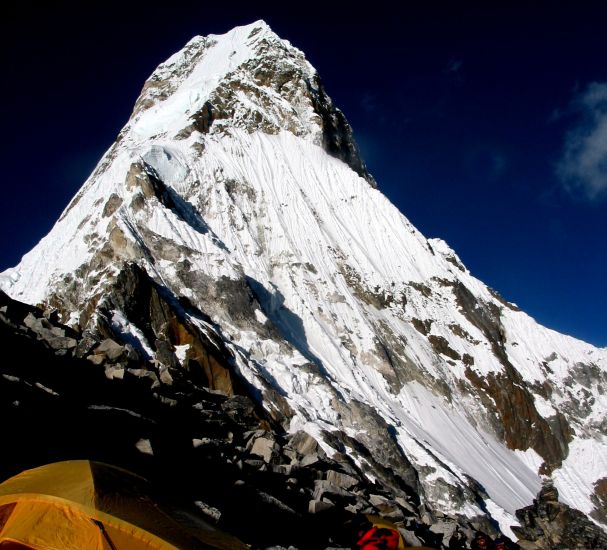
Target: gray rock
(394,513)
(238,407)
(58,331)
(378,500)
(273,501)
(283,469)
(291,455)
(444,528)
(85,345)
(111,349)
(387,508)
(410,537)
(131,353)
(251,435)
(144,446)
(208,510)
(353,508)
(201,442)
(53,336)
(303,443)
(264,447)
(165,355)
(323,487)
(60,342)
(112,372)
(52,315)
(548,523)
(358,506)
(165,376)
(35,324)
(96,359)
(316,506)
(406,505)
(144,373)
(308,460)
(166,400)
(341,480)
(254,463)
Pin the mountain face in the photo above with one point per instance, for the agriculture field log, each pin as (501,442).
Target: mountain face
(233,236)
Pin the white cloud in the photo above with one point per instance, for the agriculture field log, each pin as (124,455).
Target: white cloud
(583,166)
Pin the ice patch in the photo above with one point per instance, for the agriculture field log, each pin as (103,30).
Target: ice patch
(180,352)
(131,334)
(168,164)
(505,520)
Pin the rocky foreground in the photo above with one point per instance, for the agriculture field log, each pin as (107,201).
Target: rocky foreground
(66,395)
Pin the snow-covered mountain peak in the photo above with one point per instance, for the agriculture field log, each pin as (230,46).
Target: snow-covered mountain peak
(237,189)
(247,79)
(214,76)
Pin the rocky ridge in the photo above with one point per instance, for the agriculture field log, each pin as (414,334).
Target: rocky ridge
(214,450)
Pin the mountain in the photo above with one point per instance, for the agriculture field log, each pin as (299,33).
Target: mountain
(232,235)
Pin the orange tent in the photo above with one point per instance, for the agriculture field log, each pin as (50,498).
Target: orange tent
(83,505)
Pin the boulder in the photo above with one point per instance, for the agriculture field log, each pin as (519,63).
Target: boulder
(111,349)
(444,529)
(264,447)
(53,336)
(35,324)
(303,443)
(165,354)
(96,359)
(112,372)
(309,460)
(238,407)
(323,487)
(144,446)
(208,510)
(410,537)
(85,345)
(316,506)
(165,376)
(341,480)
(406,505)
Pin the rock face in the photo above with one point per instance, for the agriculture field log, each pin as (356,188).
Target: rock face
(549,524)
(233,240)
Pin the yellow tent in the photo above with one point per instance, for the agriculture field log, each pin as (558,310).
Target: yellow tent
(84,505)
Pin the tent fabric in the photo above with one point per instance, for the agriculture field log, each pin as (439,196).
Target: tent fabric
(82,505)
(378,521)
(71,480)
(31,523)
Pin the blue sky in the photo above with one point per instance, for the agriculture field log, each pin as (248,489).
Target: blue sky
(486,126)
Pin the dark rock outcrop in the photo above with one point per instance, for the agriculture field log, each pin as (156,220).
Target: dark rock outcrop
(551,525)
(337,133)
